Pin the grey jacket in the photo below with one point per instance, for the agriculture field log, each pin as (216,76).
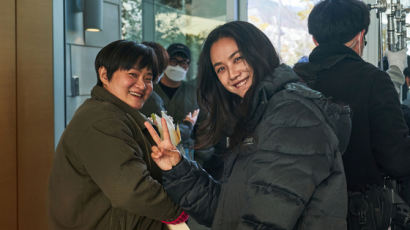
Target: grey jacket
(287,175)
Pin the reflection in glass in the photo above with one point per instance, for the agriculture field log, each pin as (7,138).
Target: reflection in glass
(187,22)
(182,21)
(131,20)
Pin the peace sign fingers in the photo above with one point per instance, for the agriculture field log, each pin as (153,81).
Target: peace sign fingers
(153,133)
(165,130)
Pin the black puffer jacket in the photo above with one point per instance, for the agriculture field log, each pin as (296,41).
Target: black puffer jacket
(287,175)
(379,144)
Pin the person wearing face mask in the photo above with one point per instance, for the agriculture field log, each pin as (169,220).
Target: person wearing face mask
(379,144)
(176,96)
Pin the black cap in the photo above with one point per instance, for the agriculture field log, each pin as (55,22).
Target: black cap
(179,48)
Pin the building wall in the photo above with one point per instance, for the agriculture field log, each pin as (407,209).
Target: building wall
(81,49)
(26,118)
(8,124)
(35,114)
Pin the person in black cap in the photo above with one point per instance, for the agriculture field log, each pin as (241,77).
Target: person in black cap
(176,96)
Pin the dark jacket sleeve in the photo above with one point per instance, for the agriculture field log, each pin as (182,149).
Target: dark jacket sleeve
(185,128)
(115,162)
(406,114)
(296,154)
(390,139)
(193,190)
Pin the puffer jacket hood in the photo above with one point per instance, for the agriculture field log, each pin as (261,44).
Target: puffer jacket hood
(337,115)
(271,84)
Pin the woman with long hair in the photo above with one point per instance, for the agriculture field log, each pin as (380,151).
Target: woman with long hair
(284,168)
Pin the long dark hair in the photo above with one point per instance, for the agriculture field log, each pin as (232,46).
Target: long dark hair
(227,111)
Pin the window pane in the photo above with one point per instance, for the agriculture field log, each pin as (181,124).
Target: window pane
(131,19)
(187,22)
(164,21)
(182,21)
(285,23)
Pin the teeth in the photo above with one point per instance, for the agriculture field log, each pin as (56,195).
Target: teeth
(241,84)
(135,94)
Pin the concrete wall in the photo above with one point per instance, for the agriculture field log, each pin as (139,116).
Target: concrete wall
(81,49)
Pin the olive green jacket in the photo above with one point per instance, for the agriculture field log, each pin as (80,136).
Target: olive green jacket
(103,176)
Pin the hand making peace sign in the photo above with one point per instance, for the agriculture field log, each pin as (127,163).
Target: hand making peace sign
(165,154)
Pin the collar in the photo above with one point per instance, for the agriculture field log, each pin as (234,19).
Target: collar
(323,52)
(323,57)
(270,85)
(101,94)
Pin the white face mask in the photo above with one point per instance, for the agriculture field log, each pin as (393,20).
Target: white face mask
(175,73)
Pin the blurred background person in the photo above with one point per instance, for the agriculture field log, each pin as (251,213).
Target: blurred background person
(176,96)
(379,144)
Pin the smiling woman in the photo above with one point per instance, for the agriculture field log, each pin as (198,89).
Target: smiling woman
(128,77)
(133,86)
(277,134)
(232,70)
(102,175)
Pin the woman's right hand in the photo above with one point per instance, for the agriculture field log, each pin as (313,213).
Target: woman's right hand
(192,117)
(165,154)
